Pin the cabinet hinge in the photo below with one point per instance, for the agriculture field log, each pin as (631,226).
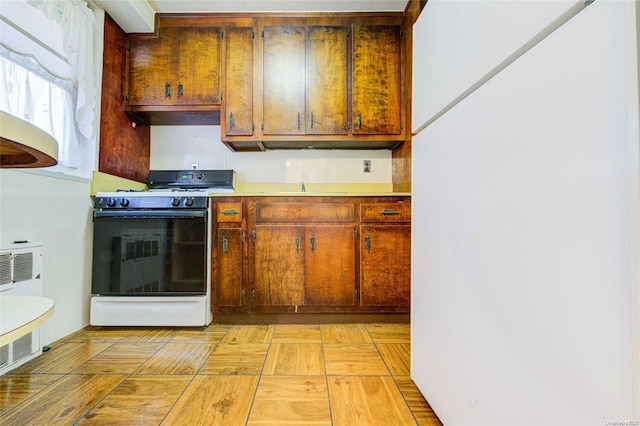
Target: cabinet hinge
(242,238)
(222,96)
(401,126)
(355,234)
(262,33)
(356,294)
(242,296)
(253,235)
(262,127)
(127,97)
(253,294)
(400,32)
(348,34)
(128,45)
(222,35)
(253,127)
(253,35)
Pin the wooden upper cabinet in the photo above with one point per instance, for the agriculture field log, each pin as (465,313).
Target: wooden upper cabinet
(326,69)
(237,119)
(180,67)
(377,80)
(283,80)
(305,80)
(150,70)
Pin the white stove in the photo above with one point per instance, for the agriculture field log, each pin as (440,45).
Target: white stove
(152,251)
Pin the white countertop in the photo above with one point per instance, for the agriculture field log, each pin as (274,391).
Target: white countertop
(20,315)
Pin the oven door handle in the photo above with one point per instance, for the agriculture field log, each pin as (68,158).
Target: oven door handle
(159,214)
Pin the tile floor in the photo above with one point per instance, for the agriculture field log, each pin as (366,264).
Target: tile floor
(284,374)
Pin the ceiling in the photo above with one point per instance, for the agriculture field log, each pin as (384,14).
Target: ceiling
(138,15)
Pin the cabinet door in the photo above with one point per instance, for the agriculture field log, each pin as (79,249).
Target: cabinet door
(279,265)
(330,265)
(197,78)
(385,265)
(151,65)
(228,274)
(326,71)
(284,80)
(377,80)
(238,95)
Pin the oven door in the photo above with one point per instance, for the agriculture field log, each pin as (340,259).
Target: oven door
(149,253)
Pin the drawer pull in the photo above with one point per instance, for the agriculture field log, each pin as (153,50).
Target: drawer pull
(167,90)
(225,245)
(367,242)
(313,242)
(297,242)
(230,212)
(389,212)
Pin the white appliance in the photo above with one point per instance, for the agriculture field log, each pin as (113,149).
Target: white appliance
(523,173)
(21,275)
(152,250)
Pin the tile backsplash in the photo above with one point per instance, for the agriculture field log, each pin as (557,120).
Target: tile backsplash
(178,147)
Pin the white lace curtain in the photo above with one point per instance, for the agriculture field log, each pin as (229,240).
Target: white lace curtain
(76,20)
(32,93)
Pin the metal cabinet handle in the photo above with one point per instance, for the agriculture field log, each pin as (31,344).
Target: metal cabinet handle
(358,120)
(297,242)
(232,121)
(180,90)
(225,245)
(167,90)
(367,242)
(230,212)
(388,212)
(298,121)
(313,242)
(311,120)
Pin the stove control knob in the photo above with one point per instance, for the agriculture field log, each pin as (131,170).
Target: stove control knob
(175,202)
(111,202)
(124,202)
(188,202)
(199,175)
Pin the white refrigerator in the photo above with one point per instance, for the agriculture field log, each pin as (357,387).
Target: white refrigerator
(525,212)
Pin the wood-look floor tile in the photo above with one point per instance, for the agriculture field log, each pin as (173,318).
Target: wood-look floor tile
(177,358)
(389,333)
(99,334)
(418,405)
(14,389)
(353,359)
(297,333)
(295,359)
(62,359)
(214,400)
(151,334)
(198,336)
(293,400)
(345,333)
(64,402)
(139,400)
(119,358)
(241,358)
(397,356)
(358,400)
(249,334)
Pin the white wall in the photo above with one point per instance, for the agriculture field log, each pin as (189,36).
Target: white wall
(177,147)
(56,211)
(522,287)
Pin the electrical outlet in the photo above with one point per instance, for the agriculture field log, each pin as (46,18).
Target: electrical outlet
(366,166)
(194,166)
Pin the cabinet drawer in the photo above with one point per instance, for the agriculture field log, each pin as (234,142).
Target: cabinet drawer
(229,212)
(305,212)
(385,212)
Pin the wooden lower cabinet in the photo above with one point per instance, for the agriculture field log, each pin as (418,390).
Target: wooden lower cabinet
(385,265)
(313,255)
